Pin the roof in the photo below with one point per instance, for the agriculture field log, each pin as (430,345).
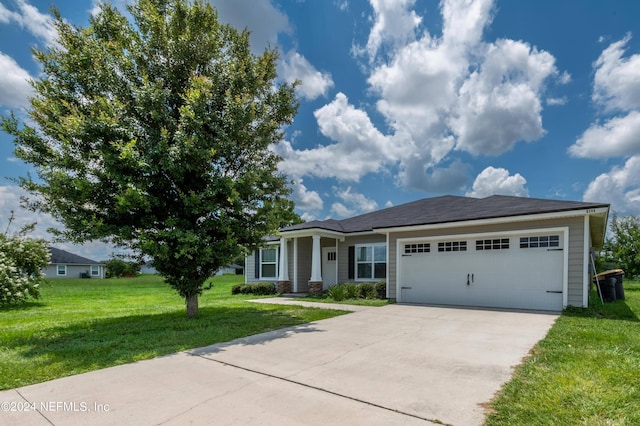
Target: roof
(446,209)
(64,257)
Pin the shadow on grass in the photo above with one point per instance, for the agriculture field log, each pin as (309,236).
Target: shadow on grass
(618,310)
(24,306)
(100,343)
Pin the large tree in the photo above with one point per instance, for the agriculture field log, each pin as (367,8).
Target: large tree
(154,131)
(623,248)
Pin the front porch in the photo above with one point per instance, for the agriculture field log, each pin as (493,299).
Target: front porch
(308,262)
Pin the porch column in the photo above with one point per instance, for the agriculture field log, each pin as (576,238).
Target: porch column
(284,285)
(315,283)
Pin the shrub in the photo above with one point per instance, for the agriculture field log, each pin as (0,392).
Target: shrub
(346,291)
(337,292)
(21,264)
(260,289)
(121,268)
(366,291)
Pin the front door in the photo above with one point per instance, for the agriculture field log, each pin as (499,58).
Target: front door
(329,267)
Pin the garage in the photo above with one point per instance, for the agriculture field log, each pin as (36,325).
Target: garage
(523,270)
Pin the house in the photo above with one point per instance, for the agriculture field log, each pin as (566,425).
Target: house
(498,252)
(68,265)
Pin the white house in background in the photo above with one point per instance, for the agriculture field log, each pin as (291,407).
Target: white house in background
(498,252)
(68,265)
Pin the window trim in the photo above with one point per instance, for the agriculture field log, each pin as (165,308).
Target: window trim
(262,262)
(373,262)
(96,269)
(58,274)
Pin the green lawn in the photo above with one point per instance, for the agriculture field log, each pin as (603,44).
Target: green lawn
(585,372)
(81,325)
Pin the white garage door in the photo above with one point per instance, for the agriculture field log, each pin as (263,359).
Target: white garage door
(516,272)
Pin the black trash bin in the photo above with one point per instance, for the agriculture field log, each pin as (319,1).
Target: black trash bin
(611,285)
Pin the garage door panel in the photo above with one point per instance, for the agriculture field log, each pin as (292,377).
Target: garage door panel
(513,277)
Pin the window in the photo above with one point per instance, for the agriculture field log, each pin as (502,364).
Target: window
(371,262)
(269,263)
(452,246)
(540,241)
(417,248)
(62,270)
(493,244)
(331,256)
(95,271)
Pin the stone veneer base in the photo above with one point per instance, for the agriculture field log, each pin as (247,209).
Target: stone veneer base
(283,287)
(315,288)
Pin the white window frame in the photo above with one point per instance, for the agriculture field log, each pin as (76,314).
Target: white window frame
(262,262)
(58,274)
(94,271)
(372,262)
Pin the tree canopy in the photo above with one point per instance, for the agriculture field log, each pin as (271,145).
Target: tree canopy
(623,248)
(155,132)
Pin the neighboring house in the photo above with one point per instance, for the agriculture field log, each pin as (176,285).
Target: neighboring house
(68,265)
(231,269)
(148,268)
(499,252)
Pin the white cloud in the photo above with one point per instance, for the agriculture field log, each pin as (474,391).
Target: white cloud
(434,179)
(617,79)
(616,87)
(620,187)
(619,136)
(492,181)
(309,202)
(313,82)
(30,18)
(14,83)
(394,24)
(359,149)
(435,94)
(500,104)
(353,203)
(260,17)
(361,203)
(340,210)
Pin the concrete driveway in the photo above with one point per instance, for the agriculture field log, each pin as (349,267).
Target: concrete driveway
(398,364)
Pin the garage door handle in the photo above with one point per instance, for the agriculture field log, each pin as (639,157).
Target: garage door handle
(555,249)
(554,291)
(405,288)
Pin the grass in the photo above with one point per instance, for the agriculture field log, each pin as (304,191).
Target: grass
(81,325)
(585,372)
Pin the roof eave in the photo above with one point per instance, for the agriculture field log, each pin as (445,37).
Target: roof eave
(494,220)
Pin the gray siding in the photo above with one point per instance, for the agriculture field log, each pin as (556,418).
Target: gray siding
(576,245)
(343,252)
(73,271)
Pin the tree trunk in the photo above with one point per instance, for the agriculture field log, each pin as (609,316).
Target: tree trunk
(192,306)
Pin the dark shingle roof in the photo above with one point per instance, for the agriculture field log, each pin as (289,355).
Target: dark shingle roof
(64,257)
(446,209)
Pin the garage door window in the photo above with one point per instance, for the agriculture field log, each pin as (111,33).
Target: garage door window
(452,246)
(417,248)
(493,244)
(540,241)
(371,262)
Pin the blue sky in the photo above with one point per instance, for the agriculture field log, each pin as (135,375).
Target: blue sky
(402,100)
